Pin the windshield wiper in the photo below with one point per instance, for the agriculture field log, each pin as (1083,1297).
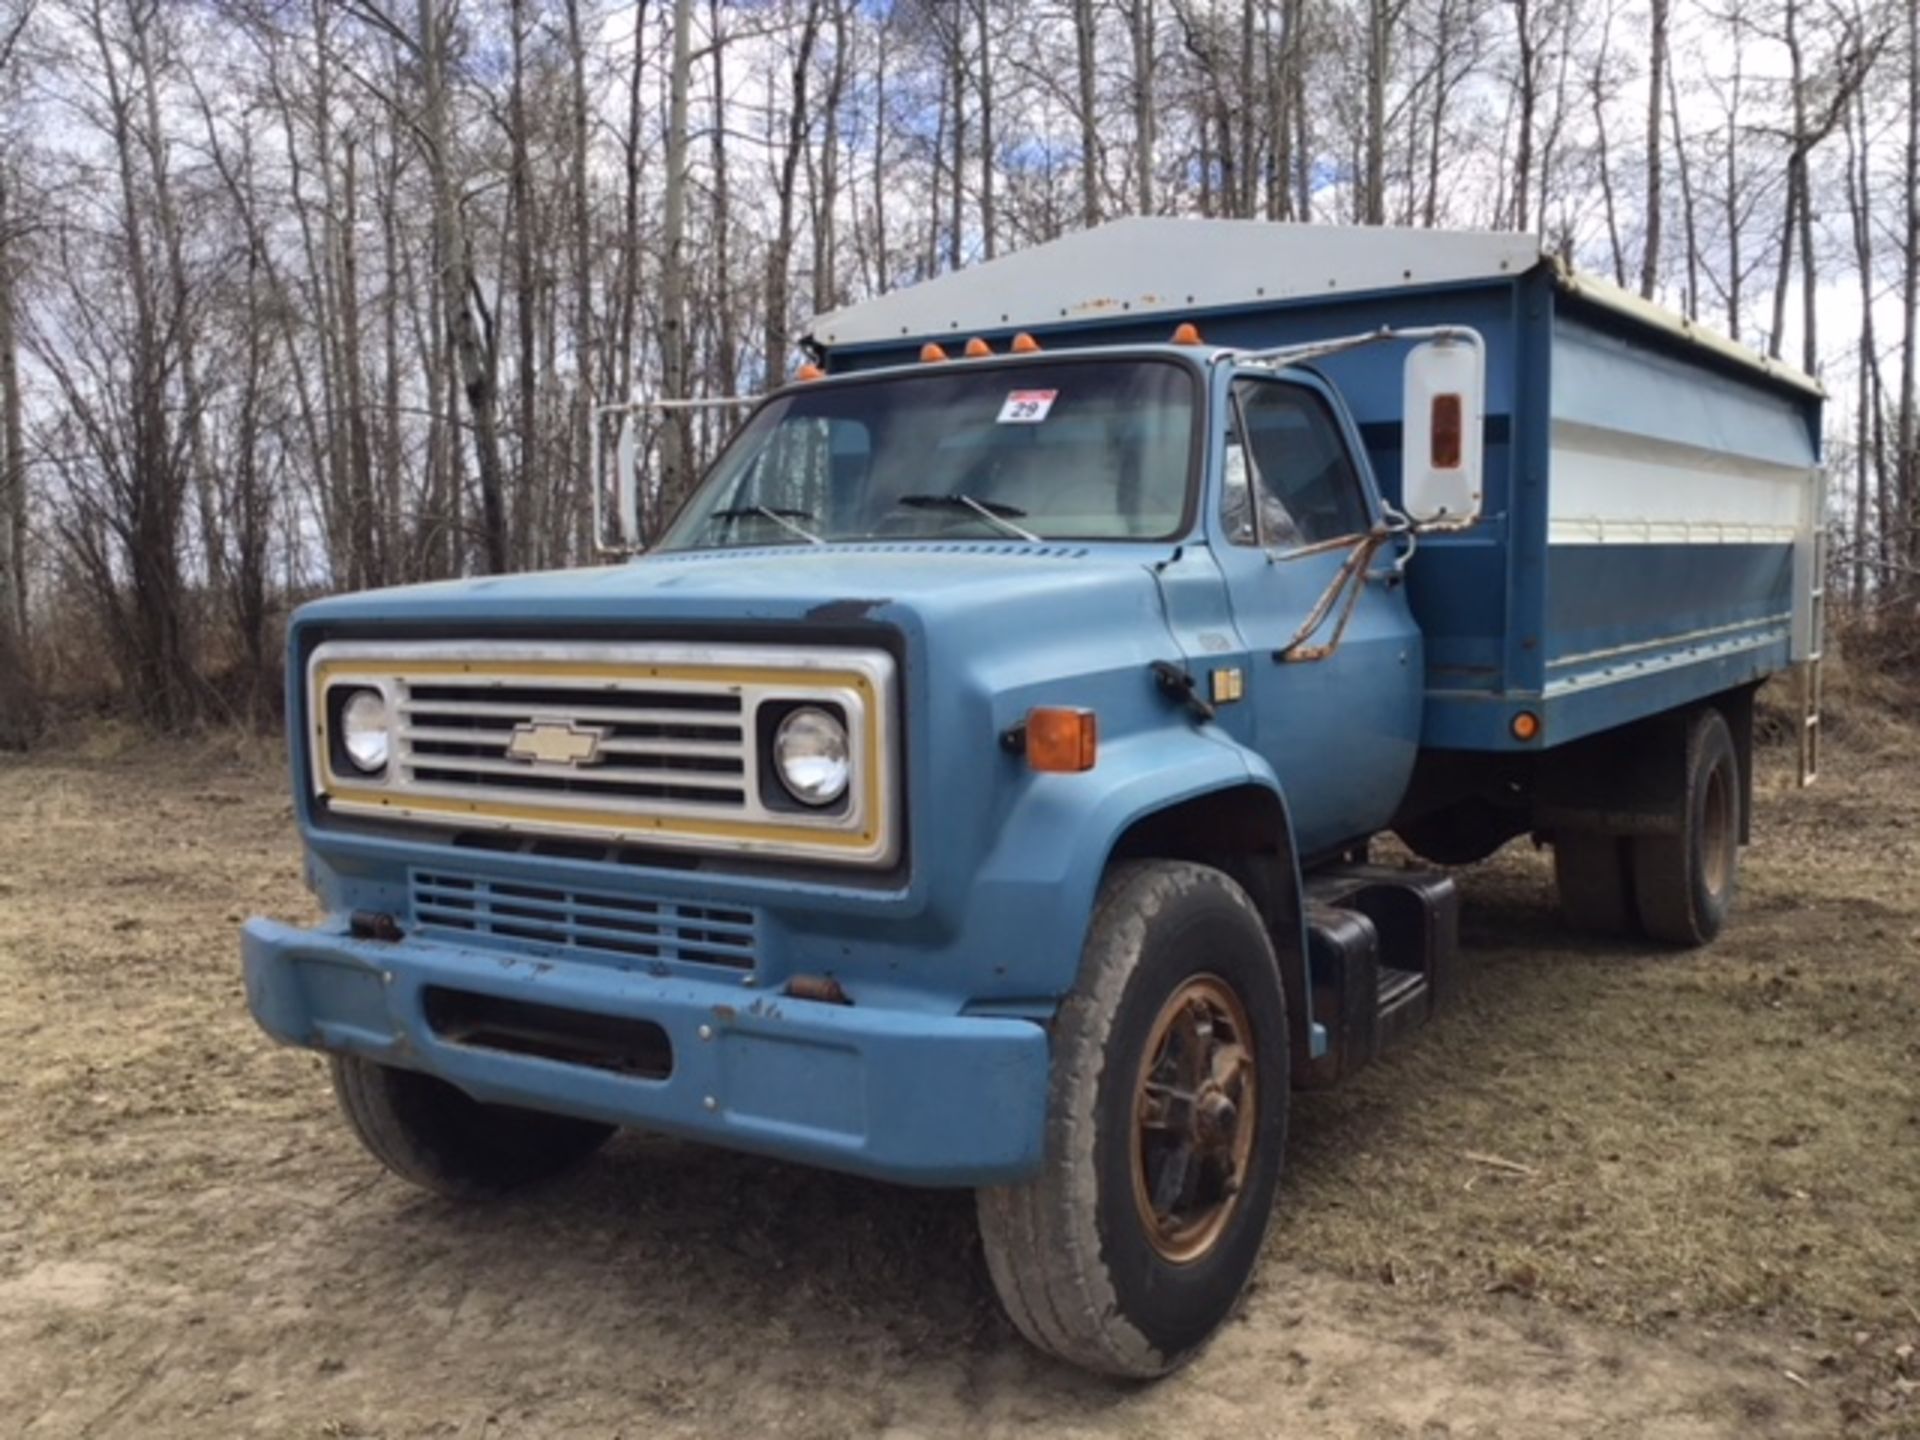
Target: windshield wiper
(992,511)
(778,514)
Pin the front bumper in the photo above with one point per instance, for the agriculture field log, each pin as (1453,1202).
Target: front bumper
(904,1095)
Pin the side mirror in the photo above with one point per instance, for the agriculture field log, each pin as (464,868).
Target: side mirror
(618,533)
(629,534)
(1441,434)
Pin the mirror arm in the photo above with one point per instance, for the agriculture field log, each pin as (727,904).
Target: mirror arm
(627,539)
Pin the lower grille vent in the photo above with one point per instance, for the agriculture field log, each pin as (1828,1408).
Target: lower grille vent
(610,923)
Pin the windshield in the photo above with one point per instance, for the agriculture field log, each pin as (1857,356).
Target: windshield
(1082,450)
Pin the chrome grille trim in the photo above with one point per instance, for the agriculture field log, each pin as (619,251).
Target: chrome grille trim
(656,743)
(622,925)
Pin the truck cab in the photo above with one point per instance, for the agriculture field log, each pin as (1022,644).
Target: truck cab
(971,784)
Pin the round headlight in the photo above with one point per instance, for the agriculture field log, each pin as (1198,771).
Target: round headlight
(366,730)
(810,756)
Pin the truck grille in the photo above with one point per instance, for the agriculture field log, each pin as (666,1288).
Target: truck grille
(675,745)
(621,925)
(633,744)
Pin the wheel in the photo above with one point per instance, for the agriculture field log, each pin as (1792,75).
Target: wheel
(1593,875)
(1166,1123)
(442,1139)
(1462,834)
(1683,882)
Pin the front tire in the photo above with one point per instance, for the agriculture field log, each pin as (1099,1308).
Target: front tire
(440,1138)
(1166,1125)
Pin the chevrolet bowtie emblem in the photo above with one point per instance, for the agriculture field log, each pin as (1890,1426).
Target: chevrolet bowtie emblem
(556,742)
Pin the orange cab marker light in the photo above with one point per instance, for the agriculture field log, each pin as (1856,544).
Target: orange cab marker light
(809,372)
(930,353)
(978,349)
(1061,740)
(1526,726)
(1024,344)
(1187,333)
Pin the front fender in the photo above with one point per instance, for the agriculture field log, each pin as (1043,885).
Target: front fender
(1037,886)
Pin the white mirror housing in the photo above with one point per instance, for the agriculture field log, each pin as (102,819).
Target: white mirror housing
(626,486)
(1442,433)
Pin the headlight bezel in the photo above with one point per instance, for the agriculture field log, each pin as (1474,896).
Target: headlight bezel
(776,721)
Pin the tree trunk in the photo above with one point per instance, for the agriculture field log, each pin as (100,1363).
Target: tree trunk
(1687,213)
(989,219)
(1083,40)
(530,481)
(1373,200)
(578,133)
(726,320)
(780,250)
(1140,27)
(1528,98)
(676,437)
(1907,517)
(470,331)
(1650,260)
(19,702)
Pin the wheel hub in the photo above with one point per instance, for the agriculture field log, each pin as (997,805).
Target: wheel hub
(1718,842)
(1194,1118)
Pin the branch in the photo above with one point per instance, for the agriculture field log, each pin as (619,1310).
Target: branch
(371,14)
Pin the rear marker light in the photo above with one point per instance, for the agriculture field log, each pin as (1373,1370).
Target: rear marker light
(1446,434)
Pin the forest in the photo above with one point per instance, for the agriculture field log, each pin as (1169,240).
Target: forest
(306,295)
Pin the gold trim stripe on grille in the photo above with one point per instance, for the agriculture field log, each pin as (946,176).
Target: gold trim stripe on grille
(613,824)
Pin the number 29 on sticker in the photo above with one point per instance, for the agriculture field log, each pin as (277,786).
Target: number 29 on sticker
(1027,407)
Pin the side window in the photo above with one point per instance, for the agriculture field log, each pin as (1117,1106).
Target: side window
(1296,464)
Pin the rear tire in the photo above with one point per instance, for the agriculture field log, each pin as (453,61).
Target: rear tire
(1594,876)
(1683,882)
(1166,1124)
(440,1138)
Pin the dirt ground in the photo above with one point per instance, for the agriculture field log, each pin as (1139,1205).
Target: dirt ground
(1613,1193)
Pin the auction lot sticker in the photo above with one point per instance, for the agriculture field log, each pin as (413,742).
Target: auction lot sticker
(1027,407)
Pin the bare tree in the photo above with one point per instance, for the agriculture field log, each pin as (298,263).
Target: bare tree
(299,294)
(1656,77)
(19,695)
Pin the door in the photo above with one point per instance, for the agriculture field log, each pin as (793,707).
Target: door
(1338,714)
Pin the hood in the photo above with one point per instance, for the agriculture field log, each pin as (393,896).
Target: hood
(914,585)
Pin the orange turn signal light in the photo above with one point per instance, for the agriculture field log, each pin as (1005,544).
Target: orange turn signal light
(1526,725)
(978,349)
(1024,344)
(931,353)
(1187,333)
(1061,740)
(809,372)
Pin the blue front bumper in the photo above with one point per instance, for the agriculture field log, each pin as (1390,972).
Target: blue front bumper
(910,1096)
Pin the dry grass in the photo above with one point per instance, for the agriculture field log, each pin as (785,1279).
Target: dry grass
(1614,1192)
(1725,1136)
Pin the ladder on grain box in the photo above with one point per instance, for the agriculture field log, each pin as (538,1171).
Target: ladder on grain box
(1810,622)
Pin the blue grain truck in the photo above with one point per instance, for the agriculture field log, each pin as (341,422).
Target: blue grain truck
(972,784)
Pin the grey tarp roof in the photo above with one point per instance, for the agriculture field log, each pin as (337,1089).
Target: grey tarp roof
(1150,265)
